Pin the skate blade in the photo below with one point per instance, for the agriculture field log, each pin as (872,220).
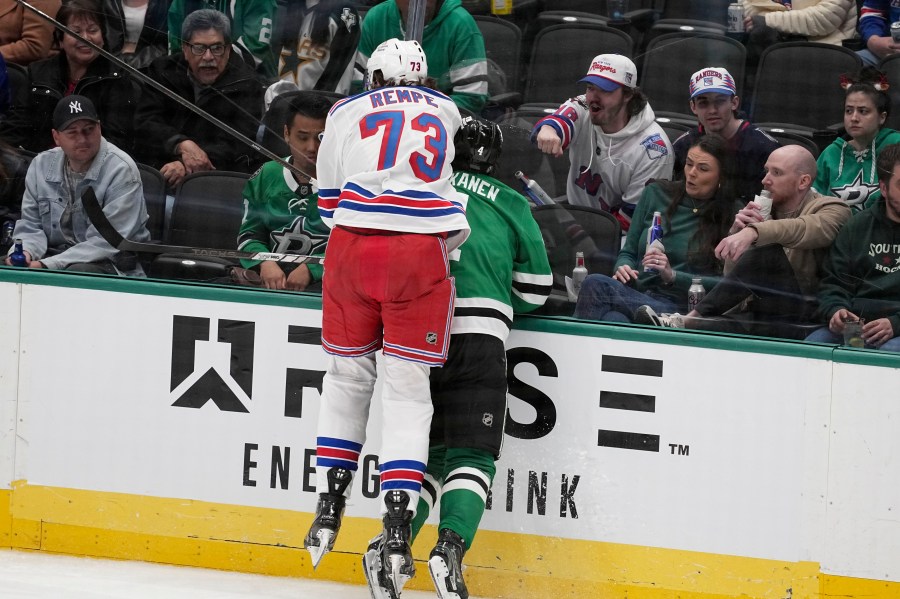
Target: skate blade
(371,567)
(317,552)
(398,578)
(440,573)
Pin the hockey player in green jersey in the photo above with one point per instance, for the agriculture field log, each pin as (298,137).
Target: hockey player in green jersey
(501,269)
(281,209)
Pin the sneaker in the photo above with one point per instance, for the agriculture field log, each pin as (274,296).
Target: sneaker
(647,315)
(329,512)
(445,565)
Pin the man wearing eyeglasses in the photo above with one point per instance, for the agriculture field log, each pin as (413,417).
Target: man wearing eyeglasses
(180,142)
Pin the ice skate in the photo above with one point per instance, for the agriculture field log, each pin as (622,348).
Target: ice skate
(329,511)
(445,565)
(379,586)
(388,561)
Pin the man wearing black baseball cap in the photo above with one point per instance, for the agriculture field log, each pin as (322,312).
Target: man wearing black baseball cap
(54,230)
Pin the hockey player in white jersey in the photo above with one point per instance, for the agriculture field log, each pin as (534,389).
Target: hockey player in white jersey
(384,187)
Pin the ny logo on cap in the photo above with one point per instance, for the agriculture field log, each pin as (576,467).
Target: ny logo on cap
(74,106)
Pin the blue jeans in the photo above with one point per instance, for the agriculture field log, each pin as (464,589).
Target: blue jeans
(604,298)
(824,335)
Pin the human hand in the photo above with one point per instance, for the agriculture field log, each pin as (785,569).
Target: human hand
(747,215)
(734,246)
(299,279)
(659,262)
(882,46)
(625,274)
(194,158)
(548,141)
(836,324)
(271,274)
(173,172)
(877,332)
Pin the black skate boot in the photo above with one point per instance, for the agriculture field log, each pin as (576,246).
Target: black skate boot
(388,562)
(323,532)
(445,565)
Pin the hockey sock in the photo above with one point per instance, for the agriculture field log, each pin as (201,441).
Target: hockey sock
(469,474)
(431,487)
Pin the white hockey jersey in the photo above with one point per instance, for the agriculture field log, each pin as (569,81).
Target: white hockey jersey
(384,163)
(609,171)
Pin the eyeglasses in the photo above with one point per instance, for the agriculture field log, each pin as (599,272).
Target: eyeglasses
(200,49)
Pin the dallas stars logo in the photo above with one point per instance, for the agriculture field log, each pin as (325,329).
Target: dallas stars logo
(855,193)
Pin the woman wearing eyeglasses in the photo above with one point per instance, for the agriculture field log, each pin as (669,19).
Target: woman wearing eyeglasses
(77,69)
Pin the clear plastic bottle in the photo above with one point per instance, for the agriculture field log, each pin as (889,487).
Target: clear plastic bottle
(579,273)
(696,293)
(17,257)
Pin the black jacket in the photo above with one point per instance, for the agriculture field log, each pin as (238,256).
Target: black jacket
(235,99)
(153,41)
(110,88)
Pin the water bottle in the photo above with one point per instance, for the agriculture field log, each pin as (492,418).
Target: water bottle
(696,293)
(579,273)
(534,191)
(655,232)
(17,258)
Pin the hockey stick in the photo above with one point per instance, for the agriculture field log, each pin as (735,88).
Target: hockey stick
(114,238)
(172,95)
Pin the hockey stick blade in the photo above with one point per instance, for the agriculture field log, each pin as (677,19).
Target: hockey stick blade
(108,232)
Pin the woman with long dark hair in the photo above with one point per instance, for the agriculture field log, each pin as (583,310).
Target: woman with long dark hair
(696,214)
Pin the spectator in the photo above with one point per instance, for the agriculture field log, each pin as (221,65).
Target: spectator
(136,30)
(847,166)
(823,21)
(469,392)
(860,273)
(251,24)
(452,42)
(615,145)
(24,36)
(77,69)
(385,188)
(54,229)
(281,211)
(13,167)
(715,101)
(772,266)
(207,73)
(319,46)
(875,20)
(696,213)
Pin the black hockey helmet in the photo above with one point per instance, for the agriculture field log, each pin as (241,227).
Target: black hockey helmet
(478,145)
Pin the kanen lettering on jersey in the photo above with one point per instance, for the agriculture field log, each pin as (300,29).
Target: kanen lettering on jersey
(386,97)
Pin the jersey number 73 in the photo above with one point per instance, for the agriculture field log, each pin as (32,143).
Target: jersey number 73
(426,166)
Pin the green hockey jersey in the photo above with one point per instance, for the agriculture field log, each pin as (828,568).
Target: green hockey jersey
(502,267)
(281,215)
(849,174)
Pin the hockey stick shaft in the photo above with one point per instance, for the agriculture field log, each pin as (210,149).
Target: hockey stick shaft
(172,95)
(108,232)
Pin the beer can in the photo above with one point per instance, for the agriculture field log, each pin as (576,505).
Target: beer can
(735,18)
(895,32)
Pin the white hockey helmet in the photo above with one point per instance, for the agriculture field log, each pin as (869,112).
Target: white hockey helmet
(398,61)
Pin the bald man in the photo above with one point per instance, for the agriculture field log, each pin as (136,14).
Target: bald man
(771,266)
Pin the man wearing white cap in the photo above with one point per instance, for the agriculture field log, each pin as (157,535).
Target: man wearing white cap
(615,145)
(715,101)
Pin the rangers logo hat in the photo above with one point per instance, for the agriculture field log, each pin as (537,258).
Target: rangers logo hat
(712,80)
(609,72)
